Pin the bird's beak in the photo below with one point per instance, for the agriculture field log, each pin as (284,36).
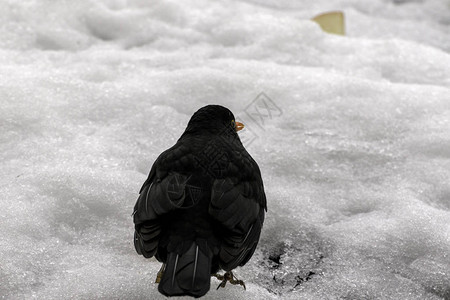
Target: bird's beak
(239,126)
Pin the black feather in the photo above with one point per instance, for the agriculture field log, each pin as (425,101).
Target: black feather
(187,274)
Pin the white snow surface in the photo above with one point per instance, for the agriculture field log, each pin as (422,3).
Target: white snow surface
(355,155)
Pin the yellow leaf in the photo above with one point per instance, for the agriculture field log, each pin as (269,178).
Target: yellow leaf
(331,22)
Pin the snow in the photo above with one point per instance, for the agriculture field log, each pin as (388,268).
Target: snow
(355,155)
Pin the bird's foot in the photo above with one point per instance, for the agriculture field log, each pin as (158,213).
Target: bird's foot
(228,277)
(160,273)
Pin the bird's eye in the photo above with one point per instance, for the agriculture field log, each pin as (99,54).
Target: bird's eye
(233,123)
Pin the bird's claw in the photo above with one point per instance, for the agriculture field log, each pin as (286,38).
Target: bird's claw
(228,277)
(160,273)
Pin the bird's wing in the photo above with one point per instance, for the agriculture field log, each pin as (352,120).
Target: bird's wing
(159,194)
(239,207)
(156,198)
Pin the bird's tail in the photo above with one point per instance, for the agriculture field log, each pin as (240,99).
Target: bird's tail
(188,273)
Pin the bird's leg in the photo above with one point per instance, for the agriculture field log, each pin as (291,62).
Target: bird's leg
(228,277)
(160,273)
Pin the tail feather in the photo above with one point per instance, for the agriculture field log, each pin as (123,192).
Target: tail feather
(187,274)
(146,238)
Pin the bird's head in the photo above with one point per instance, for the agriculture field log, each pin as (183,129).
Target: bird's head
(213,119)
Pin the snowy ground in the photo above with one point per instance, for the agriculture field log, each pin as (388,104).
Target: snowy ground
(355,158)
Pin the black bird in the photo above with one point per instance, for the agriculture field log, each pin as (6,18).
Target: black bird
(202,206)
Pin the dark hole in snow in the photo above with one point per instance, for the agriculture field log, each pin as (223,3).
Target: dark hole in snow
(292,262)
